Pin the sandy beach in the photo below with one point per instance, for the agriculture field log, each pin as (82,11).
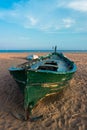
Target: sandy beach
(64,111)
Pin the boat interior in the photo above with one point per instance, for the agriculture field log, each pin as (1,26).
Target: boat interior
(58,65)
(54,63)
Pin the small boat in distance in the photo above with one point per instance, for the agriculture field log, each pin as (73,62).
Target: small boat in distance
(42,76)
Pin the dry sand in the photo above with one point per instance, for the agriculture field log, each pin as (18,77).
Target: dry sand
(64,111)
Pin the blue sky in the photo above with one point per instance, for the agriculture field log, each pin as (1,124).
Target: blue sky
(42,24)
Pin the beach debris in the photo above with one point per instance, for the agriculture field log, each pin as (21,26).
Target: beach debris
(32,57)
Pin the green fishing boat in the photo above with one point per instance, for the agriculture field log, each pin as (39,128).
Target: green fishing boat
(41,77)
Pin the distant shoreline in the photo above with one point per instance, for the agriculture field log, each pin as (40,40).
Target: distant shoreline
(39,51)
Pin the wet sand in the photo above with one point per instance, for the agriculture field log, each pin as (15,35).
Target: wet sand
(64,111)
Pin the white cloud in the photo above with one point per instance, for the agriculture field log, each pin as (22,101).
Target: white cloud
(32,20)
(78,5)
(68,22)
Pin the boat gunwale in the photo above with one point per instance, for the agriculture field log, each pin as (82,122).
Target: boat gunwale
(74,67)
(45,71)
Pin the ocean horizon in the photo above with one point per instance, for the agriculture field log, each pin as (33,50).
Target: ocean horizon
(26,51)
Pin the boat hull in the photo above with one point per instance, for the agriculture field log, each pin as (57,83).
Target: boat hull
(20,76)
(35,85)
